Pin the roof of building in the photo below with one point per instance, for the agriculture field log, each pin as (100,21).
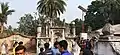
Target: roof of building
(25,36)
(116,29)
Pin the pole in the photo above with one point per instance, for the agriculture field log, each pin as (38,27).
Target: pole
(82,22)
(83,10)
(46,31)
(52,38)
(38,35)
(73,29)
(63,37)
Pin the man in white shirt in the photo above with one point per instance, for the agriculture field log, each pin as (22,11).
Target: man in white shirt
(75,48)
(4,48)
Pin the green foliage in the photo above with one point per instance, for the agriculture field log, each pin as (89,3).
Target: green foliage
(28,25)
(5,12)
(99,12)
(58,22)
(10,29)
(51,8)
(78,26)
(71,27)
(15,30)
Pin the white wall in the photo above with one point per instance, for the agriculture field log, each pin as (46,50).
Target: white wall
(104,48)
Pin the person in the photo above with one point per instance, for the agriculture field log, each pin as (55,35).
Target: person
(63,47)
(47,50)
(75,48)
(20,50)
(88,45)
(87,50)
(4,50)
(41,51)
(20,43)
(92,46)
(14,46)
(55,50)
(82,45)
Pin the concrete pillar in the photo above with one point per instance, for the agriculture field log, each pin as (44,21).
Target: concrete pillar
(46,31)
(38,35)
(74,31)
(52,38)
(63,35)
(51,21)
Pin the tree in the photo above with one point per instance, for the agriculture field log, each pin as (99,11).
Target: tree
(10,27)
(111,11)
(4,14)
(15,30)
(58,22)
(9,30)
(51,8)
(27,25)
(100,12)
(78,26)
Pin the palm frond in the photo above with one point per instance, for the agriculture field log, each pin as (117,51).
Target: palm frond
(51,8)
(4,7)
(9,12)
(5,12)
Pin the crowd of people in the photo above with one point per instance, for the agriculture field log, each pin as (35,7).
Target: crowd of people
(79,47)
(86,47)
(60,48)
(18,49)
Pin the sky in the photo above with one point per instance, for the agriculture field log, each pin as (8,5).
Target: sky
(22,7)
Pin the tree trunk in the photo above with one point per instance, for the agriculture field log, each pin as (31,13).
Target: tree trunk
(1,27)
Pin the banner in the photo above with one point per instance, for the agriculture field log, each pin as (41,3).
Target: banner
(84,35)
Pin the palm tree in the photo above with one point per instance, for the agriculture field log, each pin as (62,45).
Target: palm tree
(4,13)
(51,8)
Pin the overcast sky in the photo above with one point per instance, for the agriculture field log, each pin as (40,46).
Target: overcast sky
(22,7)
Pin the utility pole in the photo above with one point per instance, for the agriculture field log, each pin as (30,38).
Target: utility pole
(83,11)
